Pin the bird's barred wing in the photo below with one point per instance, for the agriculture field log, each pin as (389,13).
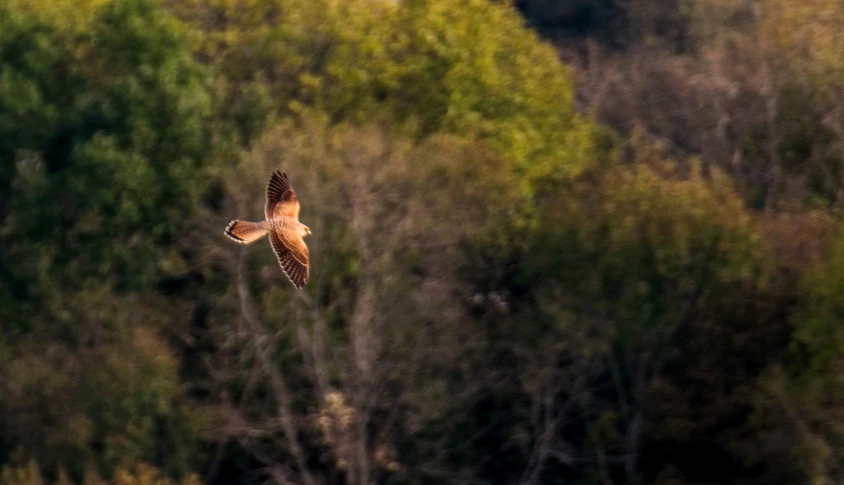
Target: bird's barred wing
(292,254)
(281,199)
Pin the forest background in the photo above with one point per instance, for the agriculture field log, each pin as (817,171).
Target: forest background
(580,242)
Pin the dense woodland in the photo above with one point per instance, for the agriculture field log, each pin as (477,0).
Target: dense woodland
(554,242)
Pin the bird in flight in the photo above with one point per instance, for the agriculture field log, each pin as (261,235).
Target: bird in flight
(281,223)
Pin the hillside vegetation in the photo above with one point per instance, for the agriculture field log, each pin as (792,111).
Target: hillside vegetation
(588,242)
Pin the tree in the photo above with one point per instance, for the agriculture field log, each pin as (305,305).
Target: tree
(799,399)
(756,92)
(468,68)
(395,224)
(652,259)
(105,133)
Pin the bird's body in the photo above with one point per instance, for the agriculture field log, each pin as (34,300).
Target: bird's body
(282,224)
(286,223)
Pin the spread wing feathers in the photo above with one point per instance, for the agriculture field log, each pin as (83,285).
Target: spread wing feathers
(292,254)
(281,199)
(245,232)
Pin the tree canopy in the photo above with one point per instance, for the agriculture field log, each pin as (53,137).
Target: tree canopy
(612,254)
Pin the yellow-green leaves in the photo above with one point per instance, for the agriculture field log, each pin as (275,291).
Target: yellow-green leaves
(469,68)
(819,325)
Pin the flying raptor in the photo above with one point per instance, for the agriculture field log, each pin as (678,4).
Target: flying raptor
(281,223)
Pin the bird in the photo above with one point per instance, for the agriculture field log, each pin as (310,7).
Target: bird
(281,224)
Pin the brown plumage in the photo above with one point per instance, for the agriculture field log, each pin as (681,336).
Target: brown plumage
(281,222)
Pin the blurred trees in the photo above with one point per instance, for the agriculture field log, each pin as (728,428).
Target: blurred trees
(799,402)
(380,331)
(103,105)
(105,131)
(29,474)
(755,91)
(503,290)
(467,68)
(752,88)
(666,265)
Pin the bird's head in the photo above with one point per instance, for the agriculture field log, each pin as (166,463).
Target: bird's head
(307,230)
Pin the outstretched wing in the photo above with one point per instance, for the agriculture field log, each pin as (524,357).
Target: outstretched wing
(292,254)
(281,199)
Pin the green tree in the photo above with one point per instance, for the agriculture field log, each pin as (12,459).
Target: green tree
(100,387)
(469,68)
(400,227)
(112,161)
(799,400)
(651,259)
(105,132)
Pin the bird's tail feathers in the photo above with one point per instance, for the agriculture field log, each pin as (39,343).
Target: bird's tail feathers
(245,232)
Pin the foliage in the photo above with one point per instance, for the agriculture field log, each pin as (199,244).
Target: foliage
(756,91)
(818,328)
(460,67)
(502,289)
(101,388)
(105,132)
(396,259)
(103,156)
(802,401)
(656,258)
(143,474)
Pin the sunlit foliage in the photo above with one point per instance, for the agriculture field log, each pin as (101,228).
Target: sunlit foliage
(502,289)
(462,67)
(143,474)
(105,130)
